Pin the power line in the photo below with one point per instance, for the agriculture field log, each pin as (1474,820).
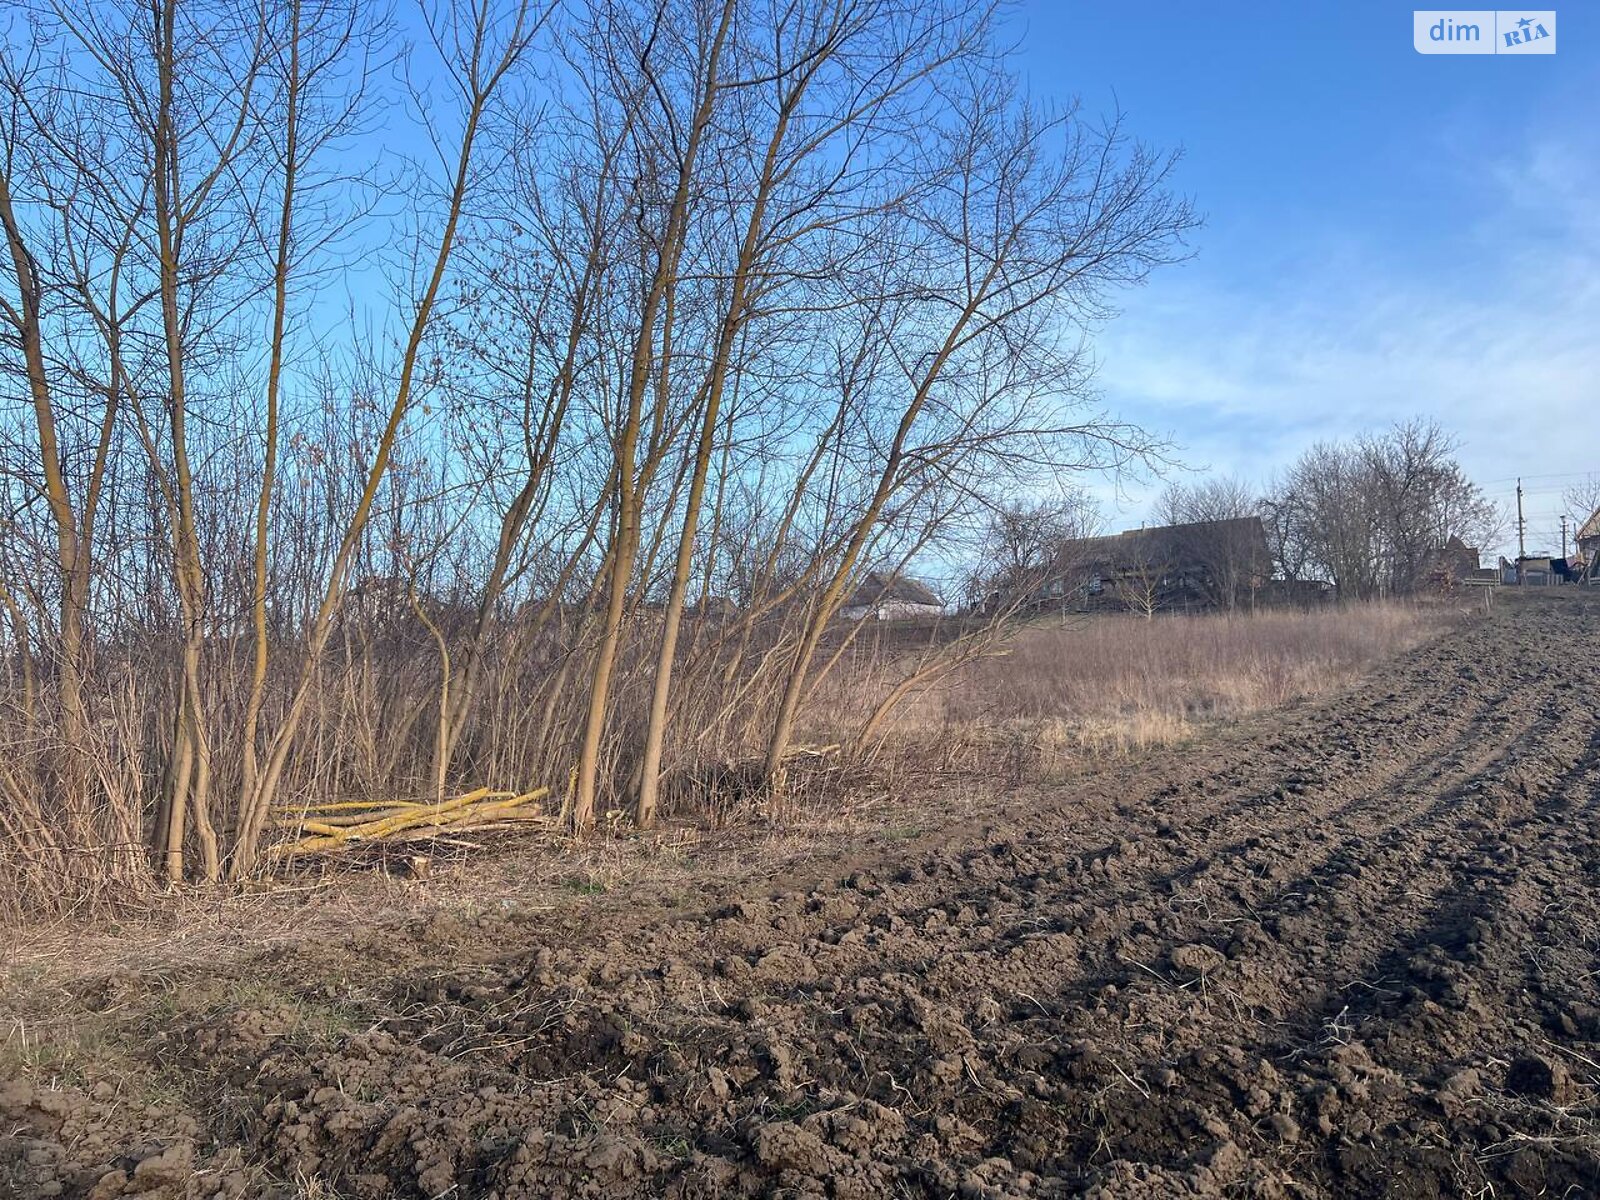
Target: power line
(1550,475)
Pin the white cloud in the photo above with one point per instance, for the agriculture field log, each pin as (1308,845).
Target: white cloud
(1499,346)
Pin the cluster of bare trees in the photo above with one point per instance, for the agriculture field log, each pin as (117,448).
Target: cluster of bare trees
(1370,516)
(500,391)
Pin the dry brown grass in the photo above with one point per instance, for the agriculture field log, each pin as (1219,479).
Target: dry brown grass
(1064,692)
(1118,683)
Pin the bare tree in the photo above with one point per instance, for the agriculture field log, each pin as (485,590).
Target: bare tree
(479,48)
(22,308)
(1142,578)
(1370,516)
(1030,553)
(1019,235)
(307,58)
(837,86)
(695,92)
(1581,500)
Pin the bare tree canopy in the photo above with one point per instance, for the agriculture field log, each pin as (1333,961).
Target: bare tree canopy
(1020,555)
(1370,516)
(548,453)
(1581,499)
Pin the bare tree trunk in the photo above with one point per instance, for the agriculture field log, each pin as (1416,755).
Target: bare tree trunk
(734,321)
(251,818)
(628,516)
(522,512)
(70,552)
(832,594)
(191,797)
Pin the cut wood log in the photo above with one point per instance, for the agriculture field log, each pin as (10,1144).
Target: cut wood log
(355,822)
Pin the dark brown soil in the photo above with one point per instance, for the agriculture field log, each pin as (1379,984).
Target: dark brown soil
(1350,950)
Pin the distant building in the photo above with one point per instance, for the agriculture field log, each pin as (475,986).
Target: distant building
(1457,559)
(1201,565)
(1589,545)
(1455,563)
(1537,571)
(883,597)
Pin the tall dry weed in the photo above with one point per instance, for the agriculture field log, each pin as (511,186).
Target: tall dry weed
(1118,684)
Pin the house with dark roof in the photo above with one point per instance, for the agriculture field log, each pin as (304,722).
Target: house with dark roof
(1195,566)
(881,596)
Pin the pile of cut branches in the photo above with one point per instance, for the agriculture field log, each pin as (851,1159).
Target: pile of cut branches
(346,824)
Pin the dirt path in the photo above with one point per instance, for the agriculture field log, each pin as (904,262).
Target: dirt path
(1352,950)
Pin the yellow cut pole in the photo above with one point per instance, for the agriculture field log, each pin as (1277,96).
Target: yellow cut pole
(342,805)
(406,816)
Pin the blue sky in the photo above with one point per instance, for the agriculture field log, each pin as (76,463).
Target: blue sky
(1387,234)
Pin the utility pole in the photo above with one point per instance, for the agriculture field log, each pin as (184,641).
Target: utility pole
(1522,533)
(1563,535)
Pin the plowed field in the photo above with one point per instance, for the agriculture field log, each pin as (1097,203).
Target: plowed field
(1351,949)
